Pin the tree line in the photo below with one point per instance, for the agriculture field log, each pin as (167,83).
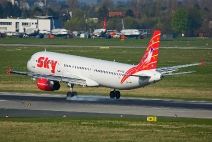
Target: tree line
(180,16)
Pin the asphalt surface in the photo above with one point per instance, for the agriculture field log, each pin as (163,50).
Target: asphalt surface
(49,105)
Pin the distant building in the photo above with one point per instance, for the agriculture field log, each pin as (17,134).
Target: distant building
(21,25)
(122,14)
(95,20)
(116,14)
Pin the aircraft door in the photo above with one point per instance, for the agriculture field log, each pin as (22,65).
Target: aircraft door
(31,63)
(60,67)
(91,71)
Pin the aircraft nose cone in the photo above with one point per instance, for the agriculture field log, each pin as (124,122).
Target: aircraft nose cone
(28,65)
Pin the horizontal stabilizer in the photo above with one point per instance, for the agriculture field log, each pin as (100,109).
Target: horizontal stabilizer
(170,74)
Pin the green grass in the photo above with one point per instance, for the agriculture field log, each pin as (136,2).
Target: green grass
(178,42)
(105,129)
(195,86)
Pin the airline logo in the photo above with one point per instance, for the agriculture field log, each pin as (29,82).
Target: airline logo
(149,60)
(44,62)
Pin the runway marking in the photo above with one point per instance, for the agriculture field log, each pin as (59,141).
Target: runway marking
(26,104)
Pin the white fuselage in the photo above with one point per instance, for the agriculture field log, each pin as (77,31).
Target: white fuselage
(99,32)
(130,32)
(96,72)
(59,32)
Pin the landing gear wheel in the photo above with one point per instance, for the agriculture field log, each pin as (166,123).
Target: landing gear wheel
(75,94)
(112,94)
(71,94)
(118,95)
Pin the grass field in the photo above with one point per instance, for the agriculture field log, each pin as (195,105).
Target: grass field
(195,86)
(105,130)
(179,42)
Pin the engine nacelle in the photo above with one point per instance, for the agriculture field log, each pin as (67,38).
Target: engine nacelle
(46,85)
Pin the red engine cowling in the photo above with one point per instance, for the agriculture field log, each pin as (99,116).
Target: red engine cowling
(46,85)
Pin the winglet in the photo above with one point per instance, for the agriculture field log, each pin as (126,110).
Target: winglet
(9,70)
(202,64)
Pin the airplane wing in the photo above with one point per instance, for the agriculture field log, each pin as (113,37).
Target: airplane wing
(72,80)
(168,71)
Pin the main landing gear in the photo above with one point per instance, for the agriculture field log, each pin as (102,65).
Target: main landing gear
(71,93)
(115,94)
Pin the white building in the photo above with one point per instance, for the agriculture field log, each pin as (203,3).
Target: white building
(21,25)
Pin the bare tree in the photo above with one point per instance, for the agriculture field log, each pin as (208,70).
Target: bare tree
(188,3)
(108,3)
(2,2)
(172,6)
(24,4)
(133,5)
(73,4)
(206,4)
(142,7)
(159,5)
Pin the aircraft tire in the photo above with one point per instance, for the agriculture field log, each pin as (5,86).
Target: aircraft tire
(118,95)
(75,93)
(112,94)
(71,94)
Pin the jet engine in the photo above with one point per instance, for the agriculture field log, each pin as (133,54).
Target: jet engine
(47,85)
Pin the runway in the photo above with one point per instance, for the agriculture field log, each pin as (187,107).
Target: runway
(51,105)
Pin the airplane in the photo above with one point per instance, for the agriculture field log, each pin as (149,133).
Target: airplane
(50,68)
(30,32)
(59,32)
(129,32)
(101,32)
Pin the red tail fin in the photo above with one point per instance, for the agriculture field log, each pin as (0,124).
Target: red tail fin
(149,60)
(104,25)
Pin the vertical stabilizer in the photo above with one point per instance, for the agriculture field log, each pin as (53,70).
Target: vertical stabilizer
(104,25)
(149,59)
